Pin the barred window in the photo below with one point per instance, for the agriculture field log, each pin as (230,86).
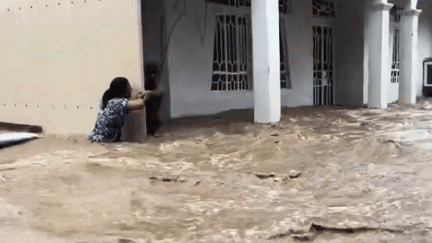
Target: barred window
(231,54)
(323,8)
(395,58)
(395,22)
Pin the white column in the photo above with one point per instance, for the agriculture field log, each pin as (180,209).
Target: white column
(409,70)
(266,61)
(379,66)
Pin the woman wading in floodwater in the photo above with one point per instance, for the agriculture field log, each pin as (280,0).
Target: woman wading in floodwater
(116,101)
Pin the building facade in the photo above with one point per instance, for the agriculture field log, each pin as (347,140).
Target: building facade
(58,57)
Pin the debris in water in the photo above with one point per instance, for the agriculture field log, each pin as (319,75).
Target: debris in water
(264,175)
(294,174)
(122,240)
(165,179)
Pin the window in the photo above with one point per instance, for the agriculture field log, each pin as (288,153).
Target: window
(395,58)
(231,49)
(323,8)
(427,73)
(395,22)
(231,54)
(323,65)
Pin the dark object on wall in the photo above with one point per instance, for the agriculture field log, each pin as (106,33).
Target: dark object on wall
(153,105)
(427,77)
(5,126)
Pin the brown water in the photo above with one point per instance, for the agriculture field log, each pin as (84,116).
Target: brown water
(363,176)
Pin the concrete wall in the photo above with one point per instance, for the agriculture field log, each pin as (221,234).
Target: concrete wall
(300,53)
(57,60)
(190,27)
(349,52)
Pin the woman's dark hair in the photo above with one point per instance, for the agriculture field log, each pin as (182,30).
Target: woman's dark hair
(119,88)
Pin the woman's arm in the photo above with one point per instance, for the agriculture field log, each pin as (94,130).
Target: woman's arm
(136,104)
(139,102)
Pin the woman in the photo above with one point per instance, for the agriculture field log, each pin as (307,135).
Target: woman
(116,101)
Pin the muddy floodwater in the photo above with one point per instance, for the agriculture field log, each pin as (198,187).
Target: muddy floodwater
(334,174)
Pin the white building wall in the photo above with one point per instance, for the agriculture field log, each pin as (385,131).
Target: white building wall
(57,60)
(299,33)
(190,59)
(424,43)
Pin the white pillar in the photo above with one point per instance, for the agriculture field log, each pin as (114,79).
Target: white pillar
(409,75)
(379,66)
(266,61)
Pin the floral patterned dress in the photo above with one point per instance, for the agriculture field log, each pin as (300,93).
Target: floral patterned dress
(109,122)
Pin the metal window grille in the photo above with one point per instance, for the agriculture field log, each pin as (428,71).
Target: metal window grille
(427,75)
(395,59)
(323,65)
(283,4)
(230,56)
(284,67)
(395,14)
(323,8)
(233,3)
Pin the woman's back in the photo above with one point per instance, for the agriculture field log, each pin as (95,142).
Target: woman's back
(110,121)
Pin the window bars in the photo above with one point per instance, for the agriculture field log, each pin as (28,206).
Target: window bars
(394,78)
(231,54)
(323,8)
(322,65)
(395,20)
(233,3)
(283,4)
